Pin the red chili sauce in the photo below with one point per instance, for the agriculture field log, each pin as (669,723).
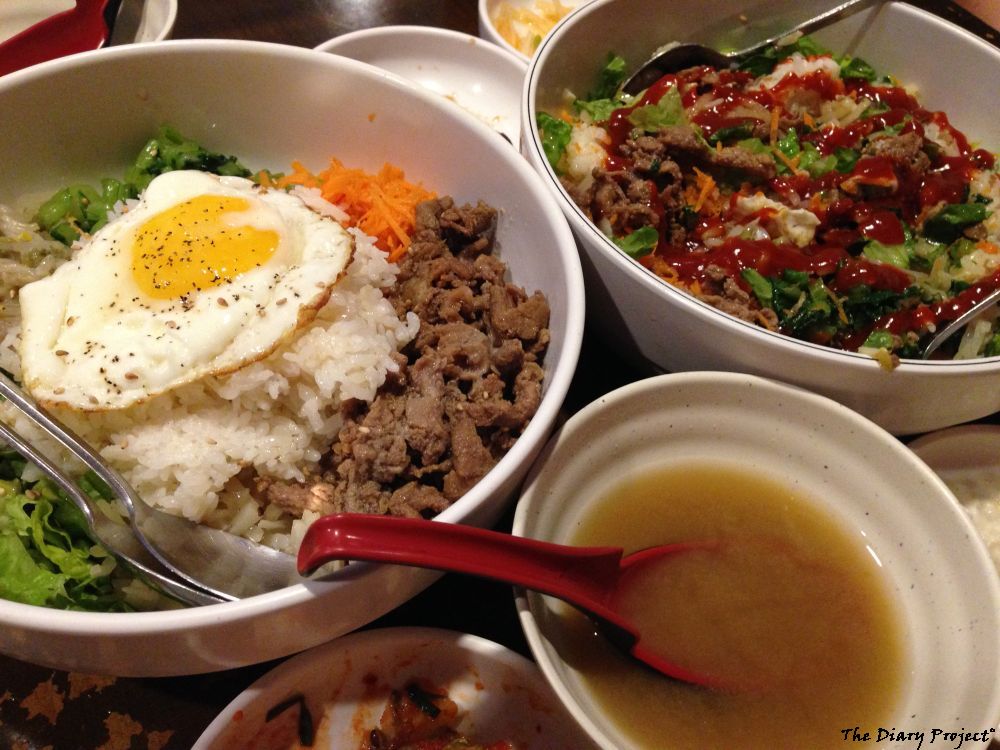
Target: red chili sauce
(890,193)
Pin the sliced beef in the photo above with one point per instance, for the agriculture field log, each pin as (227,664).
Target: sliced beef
(905,150)
(729,297)
(467,385)
(679,143)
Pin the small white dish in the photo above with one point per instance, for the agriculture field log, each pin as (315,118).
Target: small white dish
(345,684)
(937,570)
(967,458)
(482,79)
(488,10)
(155,25)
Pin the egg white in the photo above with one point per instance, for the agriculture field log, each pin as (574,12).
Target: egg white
(92,339)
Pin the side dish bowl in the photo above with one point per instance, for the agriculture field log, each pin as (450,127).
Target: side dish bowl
(154,21)
(488,10)
(501,695)
(967,458)
(946,592)
(664,329)
(271,104)
(481,78)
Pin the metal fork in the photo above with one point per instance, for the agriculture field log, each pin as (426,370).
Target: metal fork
(129,549)
(192,562)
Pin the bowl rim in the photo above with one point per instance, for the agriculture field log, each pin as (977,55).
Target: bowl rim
(432,34)
(486,22)
(54,621)
(503,71)
(168,22)
(589,233)
(808,400)
(389,639)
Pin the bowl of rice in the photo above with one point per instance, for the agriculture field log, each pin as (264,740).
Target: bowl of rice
(813,215)
(266,284)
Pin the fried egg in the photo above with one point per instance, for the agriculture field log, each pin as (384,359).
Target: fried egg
(201,277)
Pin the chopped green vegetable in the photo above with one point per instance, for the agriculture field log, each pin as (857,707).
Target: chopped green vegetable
(855,67)
(879,340)
(638,243)
(735,132)
(896,255)
(846,159)
(46,556)
(788,144)
(947,224)
(766,61)
(599,109)
(653,117)
(555,137)
(759,285)
(992,346)
(169,151)
(610,78)
(756,145)
(81,208)
(817,165)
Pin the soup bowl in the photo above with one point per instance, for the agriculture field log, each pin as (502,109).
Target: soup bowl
(942,589)
(269,105)
(662,328)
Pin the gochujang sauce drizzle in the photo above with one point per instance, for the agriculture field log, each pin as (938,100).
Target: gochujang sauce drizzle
(858,215)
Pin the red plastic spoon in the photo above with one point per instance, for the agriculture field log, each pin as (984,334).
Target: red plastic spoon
(79,29)
(586,577)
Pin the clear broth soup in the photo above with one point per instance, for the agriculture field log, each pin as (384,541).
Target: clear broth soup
(791,605)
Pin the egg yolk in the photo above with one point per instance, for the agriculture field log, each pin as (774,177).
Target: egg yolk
(189,247)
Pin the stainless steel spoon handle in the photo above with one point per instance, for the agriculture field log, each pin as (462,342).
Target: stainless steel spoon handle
(823,19)
(962,320)
(116,539)
(141,555)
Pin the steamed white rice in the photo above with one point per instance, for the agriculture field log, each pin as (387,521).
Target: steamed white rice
(182,450)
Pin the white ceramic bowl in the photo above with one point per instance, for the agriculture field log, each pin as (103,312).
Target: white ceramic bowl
(156,21)
(345,684)
(946,590)
(483,79)
(660,326)
(271,104)
(967,458)
(488,31)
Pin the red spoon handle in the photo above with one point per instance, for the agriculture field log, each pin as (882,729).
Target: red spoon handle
(579,575)
(78,29)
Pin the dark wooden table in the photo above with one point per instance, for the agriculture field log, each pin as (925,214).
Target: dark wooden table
(42,708)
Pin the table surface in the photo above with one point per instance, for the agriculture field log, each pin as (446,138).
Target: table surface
(41,708)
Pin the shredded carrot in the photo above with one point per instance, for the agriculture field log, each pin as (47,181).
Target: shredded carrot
(792,164)
(808,119)
(707,185)
(775,121)
(661,268)
(837,304)
(987,247)
(382,205)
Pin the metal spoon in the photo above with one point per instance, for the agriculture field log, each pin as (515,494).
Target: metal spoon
(673,57)
(960,322)
(202,565)
(589,578)
(117,539)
